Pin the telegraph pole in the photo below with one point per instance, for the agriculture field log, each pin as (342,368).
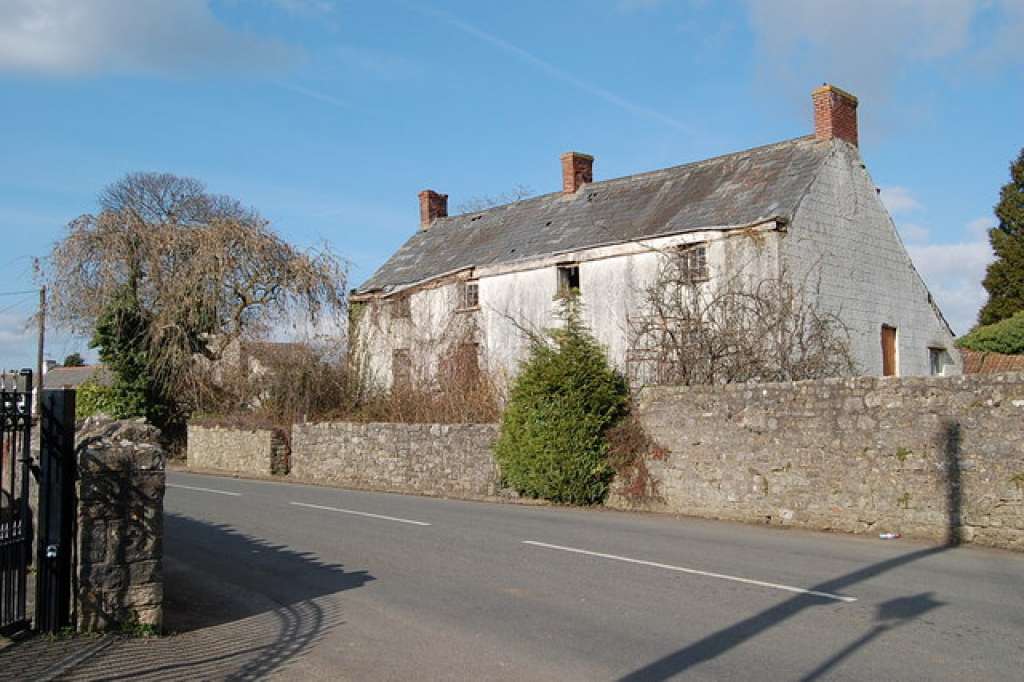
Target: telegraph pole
(39,351)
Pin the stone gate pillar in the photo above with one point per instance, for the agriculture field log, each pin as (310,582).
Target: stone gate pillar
(120,525)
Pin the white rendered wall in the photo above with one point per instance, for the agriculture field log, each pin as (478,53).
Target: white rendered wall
(843,231)
(517,302)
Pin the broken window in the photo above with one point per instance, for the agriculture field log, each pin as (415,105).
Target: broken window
(400,308)
(469,295)
(401,368)
(568,279)
(693,262)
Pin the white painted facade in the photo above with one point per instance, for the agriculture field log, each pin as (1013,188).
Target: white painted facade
(841,237)
(843,230)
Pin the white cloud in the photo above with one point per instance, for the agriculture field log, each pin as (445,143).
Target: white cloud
(68,37)
(866,46)
(17,341)
(979,227)
(899,200)
(953,273)
(1003,46)
(913,233)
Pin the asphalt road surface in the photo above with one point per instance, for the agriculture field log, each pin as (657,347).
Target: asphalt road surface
(289,581)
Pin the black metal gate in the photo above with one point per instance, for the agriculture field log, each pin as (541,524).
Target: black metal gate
(56,508)
(15,513)
(57,511)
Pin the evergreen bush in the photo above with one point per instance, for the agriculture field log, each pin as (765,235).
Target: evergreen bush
(552,443)
(92,398)
(1005,336)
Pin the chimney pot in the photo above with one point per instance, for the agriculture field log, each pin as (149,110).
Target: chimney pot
(577,170)
(835,114)
(432,207)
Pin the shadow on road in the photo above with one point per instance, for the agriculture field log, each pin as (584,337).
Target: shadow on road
(236,607)
(890,614)
(215,574)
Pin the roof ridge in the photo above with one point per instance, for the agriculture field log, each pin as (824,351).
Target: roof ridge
(634,176)
(738,188)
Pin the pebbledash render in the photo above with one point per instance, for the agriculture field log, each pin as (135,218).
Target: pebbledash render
(805,207)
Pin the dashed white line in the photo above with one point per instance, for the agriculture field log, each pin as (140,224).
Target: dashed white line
(203,490)
(359,513)
(693,571)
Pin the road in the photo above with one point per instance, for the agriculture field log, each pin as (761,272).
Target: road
(268,579)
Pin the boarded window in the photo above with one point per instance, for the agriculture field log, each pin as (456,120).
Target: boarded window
(568,279)
(401,369)
(400,308)
(888,351)
(459,367)
(470,358)
(693,262)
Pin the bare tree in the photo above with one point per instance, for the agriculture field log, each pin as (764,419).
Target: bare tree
(197,266)
(733,328)
(484,202)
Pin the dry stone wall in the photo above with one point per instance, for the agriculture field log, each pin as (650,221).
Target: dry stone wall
(251,451)
(429,459)
(940,458)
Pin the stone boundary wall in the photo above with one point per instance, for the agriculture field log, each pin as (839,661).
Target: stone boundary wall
(120,488)
(251,451)
(428,459)
(940,458)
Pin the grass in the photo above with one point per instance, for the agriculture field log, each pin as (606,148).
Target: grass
(902,454)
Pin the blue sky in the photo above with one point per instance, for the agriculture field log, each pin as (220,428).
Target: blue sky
(329,117)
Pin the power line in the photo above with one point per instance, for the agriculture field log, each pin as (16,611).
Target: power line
(13,306)
(18,293)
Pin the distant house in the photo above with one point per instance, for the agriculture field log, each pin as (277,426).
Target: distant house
(805,206)
(983,362)
(74,377)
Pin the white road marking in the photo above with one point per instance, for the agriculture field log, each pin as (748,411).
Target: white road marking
(693,571)
(203,490)
(359,513)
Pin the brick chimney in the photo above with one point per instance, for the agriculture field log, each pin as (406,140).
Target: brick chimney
(835,114)
(432,207)
(577,170)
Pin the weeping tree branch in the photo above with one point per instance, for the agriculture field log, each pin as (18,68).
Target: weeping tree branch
(199,266)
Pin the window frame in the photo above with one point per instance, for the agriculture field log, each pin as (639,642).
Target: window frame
(401,368)
(684,252)
(567,273)
(468,302)
(400,307)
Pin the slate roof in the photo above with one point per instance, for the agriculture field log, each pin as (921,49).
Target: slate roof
(73,377)
(734,190)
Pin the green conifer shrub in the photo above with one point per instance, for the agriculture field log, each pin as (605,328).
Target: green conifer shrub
(552,443)
(1005,336)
